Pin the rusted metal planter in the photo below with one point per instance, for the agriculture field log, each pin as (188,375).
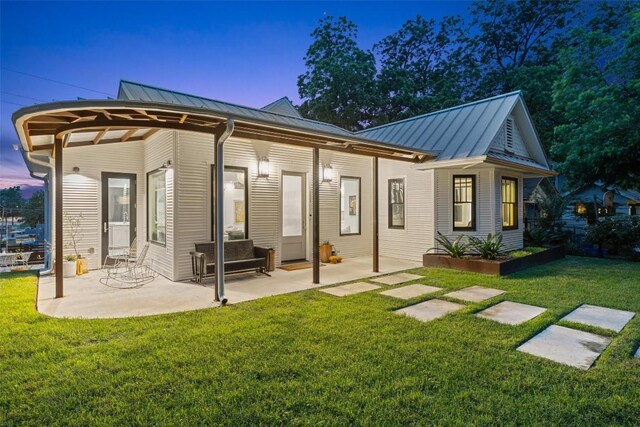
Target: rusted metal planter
(496,267)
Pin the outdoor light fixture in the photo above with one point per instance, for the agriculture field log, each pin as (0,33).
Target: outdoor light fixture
(166,165)
(76,169)
(263,167)
(327,173)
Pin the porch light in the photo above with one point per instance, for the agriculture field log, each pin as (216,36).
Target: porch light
(76,169)
(327,173)
(166,165)
(263,168)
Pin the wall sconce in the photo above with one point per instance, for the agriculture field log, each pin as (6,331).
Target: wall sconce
(327,173)
(263,167)
(166,165)
(76,169)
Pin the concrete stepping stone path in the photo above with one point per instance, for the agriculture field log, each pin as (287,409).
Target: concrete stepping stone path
(350,289)
(410,291)
(602,317)
(429,310)
(567,346)
(511,313)
(475,294)
(395,279)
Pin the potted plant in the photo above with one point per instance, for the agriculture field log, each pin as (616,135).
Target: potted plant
(74,236)
(69,266)
(325,251)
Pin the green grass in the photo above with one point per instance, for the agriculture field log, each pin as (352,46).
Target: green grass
(526,251)
(310,358)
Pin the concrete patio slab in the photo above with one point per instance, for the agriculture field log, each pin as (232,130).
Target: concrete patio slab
(511,313)
(571,347)
(429,310)
(410,291)
(475,294)
(350,289)
(86,297)
(396,279)
(602,317)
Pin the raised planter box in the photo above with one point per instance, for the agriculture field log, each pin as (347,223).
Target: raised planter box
(497,267)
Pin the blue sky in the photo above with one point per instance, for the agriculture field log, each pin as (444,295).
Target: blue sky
(249,53)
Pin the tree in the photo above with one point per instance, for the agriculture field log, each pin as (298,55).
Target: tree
(518,46)
(33,212)
(11,199)
(338,86)
(598,101)
(424,67)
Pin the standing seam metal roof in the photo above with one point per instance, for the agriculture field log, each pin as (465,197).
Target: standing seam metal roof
(458,132)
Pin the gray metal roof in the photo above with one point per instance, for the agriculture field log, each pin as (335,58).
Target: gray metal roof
(139,92)
(455,133)
(282,106)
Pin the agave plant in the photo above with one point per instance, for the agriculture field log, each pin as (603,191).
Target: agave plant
(455,249)
(489,248)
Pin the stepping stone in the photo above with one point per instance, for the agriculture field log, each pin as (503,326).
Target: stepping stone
(395,279)
(511,313)
(475,294)
(429,310)
(350,289)
(410,291)
(567,346)
(606,318)
(638,352)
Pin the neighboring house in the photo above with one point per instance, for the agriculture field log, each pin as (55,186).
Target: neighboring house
(141,166)
(533,189)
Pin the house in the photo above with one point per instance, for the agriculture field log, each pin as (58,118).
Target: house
(142,166)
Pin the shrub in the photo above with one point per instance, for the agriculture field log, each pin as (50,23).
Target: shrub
(489,248)
(620,235)
(455,249)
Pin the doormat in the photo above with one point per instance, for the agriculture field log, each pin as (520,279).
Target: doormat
(298,266)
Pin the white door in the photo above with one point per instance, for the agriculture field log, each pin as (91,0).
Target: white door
(293,217)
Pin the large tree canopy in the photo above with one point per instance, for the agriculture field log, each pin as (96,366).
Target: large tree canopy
(338,86)
(598,100)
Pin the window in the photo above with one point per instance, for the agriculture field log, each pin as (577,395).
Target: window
(396,203)
(464,197)
(349,205)
(157,207)
(235,194)
(509,203)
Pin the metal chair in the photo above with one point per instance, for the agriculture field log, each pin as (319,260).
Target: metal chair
(130,273)
(125,254)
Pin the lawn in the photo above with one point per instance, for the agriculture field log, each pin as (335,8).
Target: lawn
(311,358)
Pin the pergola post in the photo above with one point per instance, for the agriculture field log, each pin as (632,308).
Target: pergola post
(59,247)
(316,215)
(376,253)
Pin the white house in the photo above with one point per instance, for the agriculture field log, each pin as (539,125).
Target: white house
(142,166)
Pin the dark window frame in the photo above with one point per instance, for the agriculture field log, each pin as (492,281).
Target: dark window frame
(359,206)
(390,205)
(148,231)
(245,171)
(515,203)
(472,227)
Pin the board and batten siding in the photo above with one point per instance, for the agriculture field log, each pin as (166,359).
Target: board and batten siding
(418,235)
(157,151)
(512,239)
(82,195)
(194,158)
(484,208)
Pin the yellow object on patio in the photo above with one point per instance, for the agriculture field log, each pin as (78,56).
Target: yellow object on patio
(81,267)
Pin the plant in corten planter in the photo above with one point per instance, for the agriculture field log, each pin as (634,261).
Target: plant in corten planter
(455,249)
(489,248)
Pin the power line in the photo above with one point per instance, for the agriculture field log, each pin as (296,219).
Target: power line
(14,103)
(23,96)
(56,81)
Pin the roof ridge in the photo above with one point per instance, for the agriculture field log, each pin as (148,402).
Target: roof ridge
(236,105)
(276,101)
(433,113)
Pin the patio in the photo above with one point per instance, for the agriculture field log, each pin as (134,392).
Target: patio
(86,297)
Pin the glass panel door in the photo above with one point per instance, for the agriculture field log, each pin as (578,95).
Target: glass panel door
(118,213)
(293,216)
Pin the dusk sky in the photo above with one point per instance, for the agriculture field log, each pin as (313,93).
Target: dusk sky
(249,53)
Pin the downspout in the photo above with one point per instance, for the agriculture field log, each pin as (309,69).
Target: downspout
(219,223)
(48,265)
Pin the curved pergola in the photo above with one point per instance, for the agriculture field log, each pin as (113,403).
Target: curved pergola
(49,129)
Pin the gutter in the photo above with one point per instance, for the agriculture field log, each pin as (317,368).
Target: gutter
(48,265)
(219,240)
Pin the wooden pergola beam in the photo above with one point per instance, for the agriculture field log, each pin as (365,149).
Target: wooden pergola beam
(128,135)
(99,136)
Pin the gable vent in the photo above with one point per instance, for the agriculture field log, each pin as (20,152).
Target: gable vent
(508,135)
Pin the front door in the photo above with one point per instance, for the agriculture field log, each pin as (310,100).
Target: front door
(293,217)
(118,212)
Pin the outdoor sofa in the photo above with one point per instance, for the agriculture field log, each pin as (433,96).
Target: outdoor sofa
(239,256)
